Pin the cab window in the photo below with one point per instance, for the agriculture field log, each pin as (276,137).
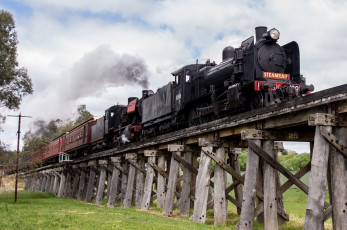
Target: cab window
(188,76)
(177,79)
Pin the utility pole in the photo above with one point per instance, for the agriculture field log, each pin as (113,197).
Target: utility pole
(17,156)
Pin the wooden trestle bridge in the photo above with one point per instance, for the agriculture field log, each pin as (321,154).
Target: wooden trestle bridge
(170,163)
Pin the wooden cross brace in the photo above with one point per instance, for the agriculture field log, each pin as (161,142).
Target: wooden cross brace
(240,179)
(120,168)
(164,174)
(334,141)
(185,164)
(155,179)
(137,166)
(106,169)
(229,169)
(293,179)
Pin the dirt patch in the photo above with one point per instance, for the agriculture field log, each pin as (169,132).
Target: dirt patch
(8,183)
(175,215)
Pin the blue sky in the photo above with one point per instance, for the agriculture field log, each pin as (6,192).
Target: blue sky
(17,7)
(56,36)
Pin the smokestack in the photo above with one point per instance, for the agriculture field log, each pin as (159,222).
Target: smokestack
(259,31)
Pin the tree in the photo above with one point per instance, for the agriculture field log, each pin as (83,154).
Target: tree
(45,132)
(6,156)
(284,152)
(292,162)
(243,160)
(44,129)
(83,114)
(14,81)
(33,144)
(63,129)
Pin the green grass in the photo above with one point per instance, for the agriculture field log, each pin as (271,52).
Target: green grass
(44,211)
(295,202)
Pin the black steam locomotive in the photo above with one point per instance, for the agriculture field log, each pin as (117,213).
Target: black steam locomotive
(256,74)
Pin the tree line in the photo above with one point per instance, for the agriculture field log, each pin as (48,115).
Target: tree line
(292,162)
(44,132)
(15,82)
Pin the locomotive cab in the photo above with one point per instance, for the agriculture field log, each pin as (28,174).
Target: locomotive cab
(114,118)
(189,84)
(182,87)
(178,86)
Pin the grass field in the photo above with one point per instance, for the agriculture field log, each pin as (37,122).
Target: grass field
(44,211)
(36,210)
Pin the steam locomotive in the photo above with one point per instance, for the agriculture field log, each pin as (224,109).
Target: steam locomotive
(258,73)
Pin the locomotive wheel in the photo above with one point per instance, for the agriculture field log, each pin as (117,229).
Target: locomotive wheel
(257,100)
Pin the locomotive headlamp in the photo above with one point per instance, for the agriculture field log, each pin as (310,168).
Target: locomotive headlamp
(274,34)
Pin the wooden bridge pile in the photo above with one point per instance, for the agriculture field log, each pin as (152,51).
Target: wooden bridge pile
(166,168)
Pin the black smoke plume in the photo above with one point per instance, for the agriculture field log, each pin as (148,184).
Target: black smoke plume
(42,128)
(103,68)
